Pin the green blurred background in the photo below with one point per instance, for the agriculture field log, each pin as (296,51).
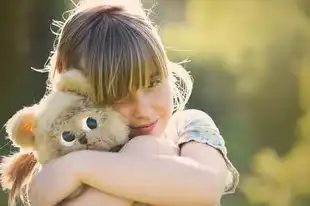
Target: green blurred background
(250,61)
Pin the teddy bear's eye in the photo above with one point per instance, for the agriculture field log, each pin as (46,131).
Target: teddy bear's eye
(68,137)
(91,123)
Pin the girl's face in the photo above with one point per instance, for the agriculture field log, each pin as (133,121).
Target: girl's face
(148,110)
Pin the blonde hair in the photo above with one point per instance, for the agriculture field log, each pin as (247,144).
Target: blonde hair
(118,51)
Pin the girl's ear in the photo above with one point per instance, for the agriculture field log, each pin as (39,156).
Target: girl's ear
(72,80)
(20,128)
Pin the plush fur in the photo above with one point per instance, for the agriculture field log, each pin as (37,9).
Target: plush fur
(65,120)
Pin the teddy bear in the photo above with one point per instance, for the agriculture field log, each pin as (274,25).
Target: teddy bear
(63,121)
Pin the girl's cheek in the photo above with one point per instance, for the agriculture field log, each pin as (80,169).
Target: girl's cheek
(123,109)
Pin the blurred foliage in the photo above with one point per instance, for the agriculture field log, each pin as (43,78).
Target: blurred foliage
(250,63)
(253,76)
(26,41)
(283,181)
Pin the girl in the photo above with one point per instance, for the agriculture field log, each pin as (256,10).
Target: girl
(124,59)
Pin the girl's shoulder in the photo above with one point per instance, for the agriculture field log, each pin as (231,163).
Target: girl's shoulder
(189,120)
(196,125)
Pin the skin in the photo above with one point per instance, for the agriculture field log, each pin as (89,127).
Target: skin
(151,146)
(137,165)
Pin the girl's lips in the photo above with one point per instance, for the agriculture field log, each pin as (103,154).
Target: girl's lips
(145,129)
(145,125)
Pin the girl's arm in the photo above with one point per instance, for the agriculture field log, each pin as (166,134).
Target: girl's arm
(155,179)
(191,179)
(96,197)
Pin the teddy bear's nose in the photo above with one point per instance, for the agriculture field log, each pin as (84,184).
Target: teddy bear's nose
(82,139)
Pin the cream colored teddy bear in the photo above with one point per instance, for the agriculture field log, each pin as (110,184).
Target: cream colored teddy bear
(63,121)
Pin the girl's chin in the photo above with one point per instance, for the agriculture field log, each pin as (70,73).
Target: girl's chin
(135,133)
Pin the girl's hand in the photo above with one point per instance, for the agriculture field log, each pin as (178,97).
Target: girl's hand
(55,181)
(95,197)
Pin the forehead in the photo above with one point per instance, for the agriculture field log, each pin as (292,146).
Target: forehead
(127,83)
(127,65)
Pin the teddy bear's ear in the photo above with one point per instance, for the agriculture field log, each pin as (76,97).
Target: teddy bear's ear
(20,128)
(72,80)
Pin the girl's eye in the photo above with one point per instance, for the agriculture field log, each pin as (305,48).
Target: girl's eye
(155,83)
(91,123)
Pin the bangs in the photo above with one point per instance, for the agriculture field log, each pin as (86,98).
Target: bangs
(118,52)
(124,60)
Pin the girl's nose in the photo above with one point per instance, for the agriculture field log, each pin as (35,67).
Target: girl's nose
(142,105)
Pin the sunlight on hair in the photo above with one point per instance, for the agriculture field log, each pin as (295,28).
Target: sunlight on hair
(115,78)
(130,6)
(182,85)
